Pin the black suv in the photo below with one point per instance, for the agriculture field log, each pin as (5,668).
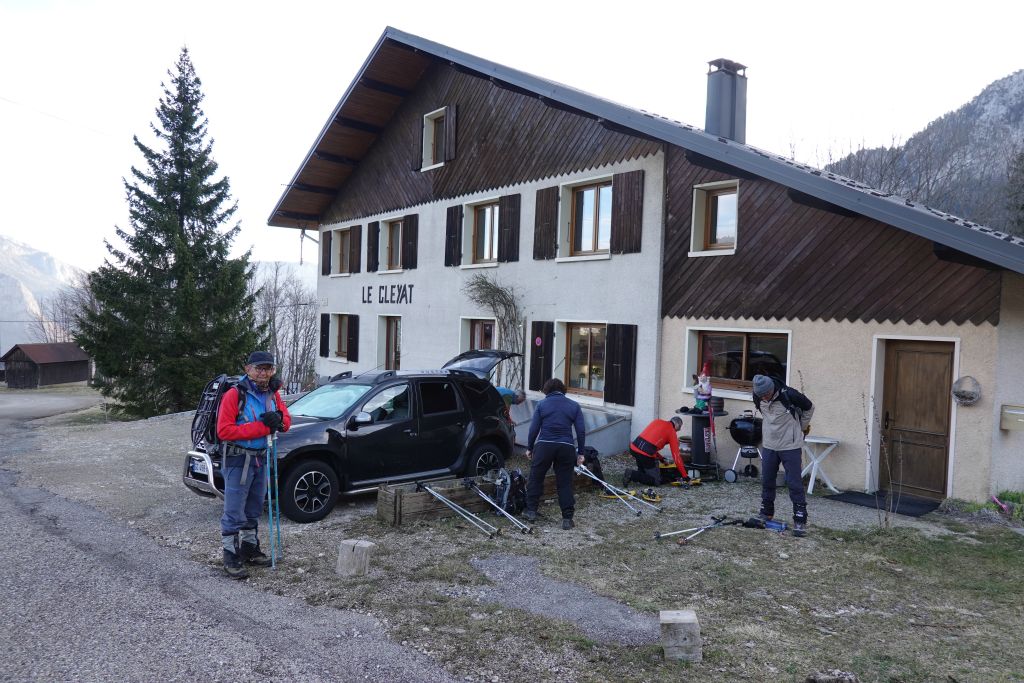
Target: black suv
(356,433)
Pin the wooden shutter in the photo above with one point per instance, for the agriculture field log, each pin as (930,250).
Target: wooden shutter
(449,132)
(353,338)
(453,236)
(542,354)
(354,246)
(372,246)
(410,237)
(545,226)
(325,255)
(627,212)
(325,334)
(620,364)
(508,226)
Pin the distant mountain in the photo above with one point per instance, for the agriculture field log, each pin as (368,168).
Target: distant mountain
(959,162)
(27,277)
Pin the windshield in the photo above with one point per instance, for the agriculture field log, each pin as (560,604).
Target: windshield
(329,401)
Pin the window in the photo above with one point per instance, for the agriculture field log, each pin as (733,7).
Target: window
(481,334)
(392,343)
(715,218)
(437,137)
(342,251)
(341,326)
(737,356)
(584,358)
(438,397)
(390,404)
(393,245)
(485,233)
(591,219)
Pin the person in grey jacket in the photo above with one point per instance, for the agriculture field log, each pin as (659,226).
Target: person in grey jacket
(787,419)
(550,443)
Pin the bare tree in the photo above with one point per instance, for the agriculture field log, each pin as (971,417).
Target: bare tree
(289,309)
(58,316)
(504,303)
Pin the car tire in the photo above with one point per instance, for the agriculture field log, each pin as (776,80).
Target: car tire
(309,492)
(484,458)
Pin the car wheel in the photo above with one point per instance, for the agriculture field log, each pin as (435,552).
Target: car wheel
(310,491)
(484,458)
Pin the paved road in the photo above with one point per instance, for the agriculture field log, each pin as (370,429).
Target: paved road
(86,598)
(16,406)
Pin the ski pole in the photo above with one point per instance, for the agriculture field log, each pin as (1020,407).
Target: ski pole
(618,491)
(658,535)
(525,528)
(581,469)
(480,524)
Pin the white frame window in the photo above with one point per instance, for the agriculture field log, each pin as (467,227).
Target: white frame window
(386,335)
(567,219)
(469,252)
(339,335)
(692,362)
(468,328)
(433,139)
(341,246)
(385,248)
(706,198)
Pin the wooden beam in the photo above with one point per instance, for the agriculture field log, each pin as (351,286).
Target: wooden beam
(716,165)
(383,87)
(356,124)
(315,189)
(296,216)
(944,253)
(815,203)
(336,159)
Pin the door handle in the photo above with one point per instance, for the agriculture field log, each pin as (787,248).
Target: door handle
(885,424)
(410,432)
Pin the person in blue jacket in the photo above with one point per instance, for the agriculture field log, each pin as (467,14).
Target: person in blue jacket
(551,444)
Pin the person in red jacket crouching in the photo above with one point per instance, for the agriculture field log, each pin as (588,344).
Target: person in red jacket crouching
(248,414)
(645,450)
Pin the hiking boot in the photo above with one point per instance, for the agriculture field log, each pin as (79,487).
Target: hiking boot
(530,516)
(764,518)
(233,566)
(627,478)
(251,554)
(567,524)
(799,529)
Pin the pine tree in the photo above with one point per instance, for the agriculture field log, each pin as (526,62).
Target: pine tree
(173,310)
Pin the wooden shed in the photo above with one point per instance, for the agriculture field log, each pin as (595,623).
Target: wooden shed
(30,366)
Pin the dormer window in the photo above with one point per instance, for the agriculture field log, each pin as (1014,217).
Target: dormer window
(438,138)
(715,219)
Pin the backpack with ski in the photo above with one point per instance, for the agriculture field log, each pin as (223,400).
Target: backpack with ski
(510,491)
(204,424)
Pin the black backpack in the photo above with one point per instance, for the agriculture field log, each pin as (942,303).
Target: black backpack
(591,461)
(510,491)
(204,424)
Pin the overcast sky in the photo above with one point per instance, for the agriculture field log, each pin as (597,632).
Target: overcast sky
(79,78)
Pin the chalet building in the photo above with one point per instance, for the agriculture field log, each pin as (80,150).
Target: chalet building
(30,366)
(641,247)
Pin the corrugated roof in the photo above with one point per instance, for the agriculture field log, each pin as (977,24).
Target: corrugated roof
(390,78)
(42,354)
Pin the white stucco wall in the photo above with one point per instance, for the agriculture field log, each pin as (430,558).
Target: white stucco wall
(623,289)
(839,366)
(1008,446)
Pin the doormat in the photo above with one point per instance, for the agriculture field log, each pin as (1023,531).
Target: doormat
(911,506)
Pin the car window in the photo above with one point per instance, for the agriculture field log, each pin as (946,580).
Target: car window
(438,397)
(329,401)
(392,403)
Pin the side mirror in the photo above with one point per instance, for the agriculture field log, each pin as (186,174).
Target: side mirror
(360,418)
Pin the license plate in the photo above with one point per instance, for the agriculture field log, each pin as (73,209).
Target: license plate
(199,467)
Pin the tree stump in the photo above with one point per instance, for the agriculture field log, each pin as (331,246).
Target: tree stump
(354,558)
(680,635)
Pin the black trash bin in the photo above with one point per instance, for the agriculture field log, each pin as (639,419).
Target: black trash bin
(700,432)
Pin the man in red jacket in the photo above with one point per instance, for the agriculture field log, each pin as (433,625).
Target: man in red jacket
(248,414)
(645,450)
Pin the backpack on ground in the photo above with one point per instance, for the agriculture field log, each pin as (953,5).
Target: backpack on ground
(592,463)
(204,424)
(510,491)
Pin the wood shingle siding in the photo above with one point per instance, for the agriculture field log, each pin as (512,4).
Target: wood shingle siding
(505,138)
(545,224)
(795,261)
(508,228)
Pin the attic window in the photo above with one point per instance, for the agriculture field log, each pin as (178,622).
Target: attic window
(715,219)
(438,138)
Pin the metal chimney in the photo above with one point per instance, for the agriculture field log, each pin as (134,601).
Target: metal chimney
(727,100)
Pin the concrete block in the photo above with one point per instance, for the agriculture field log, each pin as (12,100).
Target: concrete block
(680,635)
(354,557)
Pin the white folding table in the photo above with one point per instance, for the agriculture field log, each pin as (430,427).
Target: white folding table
(817,449)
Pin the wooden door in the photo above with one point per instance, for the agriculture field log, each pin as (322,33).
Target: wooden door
(916,417)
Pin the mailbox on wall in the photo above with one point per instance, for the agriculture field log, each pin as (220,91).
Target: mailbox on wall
(1011,417)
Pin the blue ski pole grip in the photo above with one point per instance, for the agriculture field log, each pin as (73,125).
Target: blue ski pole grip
(773,525)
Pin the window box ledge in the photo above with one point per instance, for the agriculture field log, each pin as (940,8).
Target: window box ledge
(589,257)
(337,359)
(469,266)
(712,252)
(340,275)
(431,167)
(390,272)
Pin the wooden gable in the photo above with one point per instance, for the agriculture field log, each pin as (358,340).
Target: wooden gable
(795,261)
(503,137)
